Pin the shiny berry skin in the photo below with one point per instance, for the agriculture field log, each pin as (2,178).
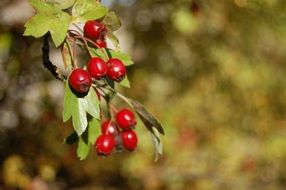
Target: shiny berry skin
(92,29)
(115,69)
(100,42)
(104,144)
(109,128)
(125,119)
(129,139)
(96,67)
(80,80)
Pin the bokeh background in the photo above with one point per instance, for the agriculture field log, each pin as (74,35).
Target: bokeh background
(214,73)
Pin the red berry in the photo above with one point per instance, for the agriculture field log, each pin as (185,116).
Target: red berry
(115,70)
(108,127)
(129,140)
(104,144)
(100,42)
(80,80)
(125,119)
(96,67)
(93,29)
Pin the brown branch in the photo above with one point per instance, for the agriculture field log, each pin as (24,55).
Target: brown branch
(54,70)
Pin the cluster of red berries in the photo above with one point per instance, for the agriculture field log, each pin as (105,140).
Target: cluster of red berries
(119,133)
(116,132)
(95,31)
(81,80)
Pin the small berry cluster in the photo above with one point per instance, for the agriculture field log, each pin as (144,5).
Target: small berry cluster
(96,31)
(81,80)
(119,133)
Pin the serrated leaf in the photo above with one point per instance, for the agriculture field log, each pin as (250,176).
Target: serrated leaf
(61,4)
(59,28)
(49,18)
(125,82)
(111,21)
(76,107)
(158,145)
(113,39)
(93,130)
(72,138)
(83,148)
(125,58)
(37,26)
(44,8)
(147,118)
(84,10)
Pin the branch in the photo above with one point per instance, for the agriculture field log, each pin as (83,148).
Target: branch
(46,60)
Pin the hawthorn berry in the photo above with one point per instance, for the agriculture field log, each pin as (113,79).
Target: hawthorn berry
(80,80)
(109,127)
(100,42)
(115,69)
(129,139)
(104,144)
(125,119)
(96,67)
(93,29)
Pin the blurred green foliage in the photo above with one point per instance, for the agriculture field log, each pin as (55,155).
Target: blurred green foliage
(212,71)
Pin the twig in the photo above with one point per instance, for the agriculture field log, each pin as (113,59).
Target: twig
(75,34)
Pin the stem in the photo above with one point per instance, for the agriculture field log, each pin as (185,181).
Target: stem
(54,70)
(74,54)
(75,34)
(70,50)
(112,108)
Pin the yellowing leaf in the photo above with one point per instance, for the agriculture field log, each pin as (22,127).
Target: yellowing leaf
(59,27)
(61,4)
(111,21)
(37,26)
(84,10)
(44,8)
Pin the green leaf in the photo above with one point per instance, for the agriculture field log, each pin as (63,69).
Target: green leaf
(90,103)
(100,52)
(61,4)
(93,130)
(49,18)
(125,82)
(84,10)
(83,148)
(37,26)
(72,138)
(59,27)
(44,8)
(76,107)
(125,58)
(111,21)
